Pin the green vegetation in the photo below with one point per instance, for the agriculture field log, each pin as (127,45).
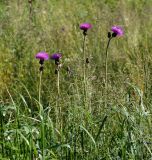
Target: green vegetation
(62,126)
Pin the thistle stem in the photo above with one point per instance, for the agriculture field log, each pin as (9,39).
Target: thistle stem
(58,82)
(106,71)
(40,84)
(42,114)
(84,67)
(58,98)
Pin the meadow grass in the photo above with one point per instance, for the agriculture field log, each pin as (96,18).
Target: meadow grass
(58,125)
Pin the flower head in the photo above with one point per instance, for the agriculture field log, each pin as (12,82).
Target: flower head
(56,56)
(117,30)
(42,56)
(85,26)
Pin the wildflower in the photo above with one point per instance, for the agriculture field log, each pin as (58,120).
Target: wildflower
(117,31)
(85,26)
(42,56)
(56,57)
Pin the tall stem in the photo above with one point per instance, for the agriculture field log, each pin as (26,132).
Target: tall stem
(84,67)
(106,71)
(40,83)
(58,82)
(58,98)
(41,114)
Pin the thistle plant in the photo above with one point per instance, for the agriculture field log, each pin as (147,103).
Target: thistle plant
(42,56)
(116,31)
(84,27)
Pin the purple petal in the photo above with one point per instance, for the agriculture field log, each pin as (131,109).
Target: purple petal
(118,30)
(85,26)
(56,56)
(42,55)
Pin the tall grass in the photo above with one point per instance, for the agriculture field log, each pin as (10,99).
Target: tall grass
(32,130)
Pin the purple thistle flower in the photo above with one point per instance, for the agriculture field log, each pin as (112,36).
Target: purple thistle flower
(117,30)
(85,26)
(56,56)
(42,56)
